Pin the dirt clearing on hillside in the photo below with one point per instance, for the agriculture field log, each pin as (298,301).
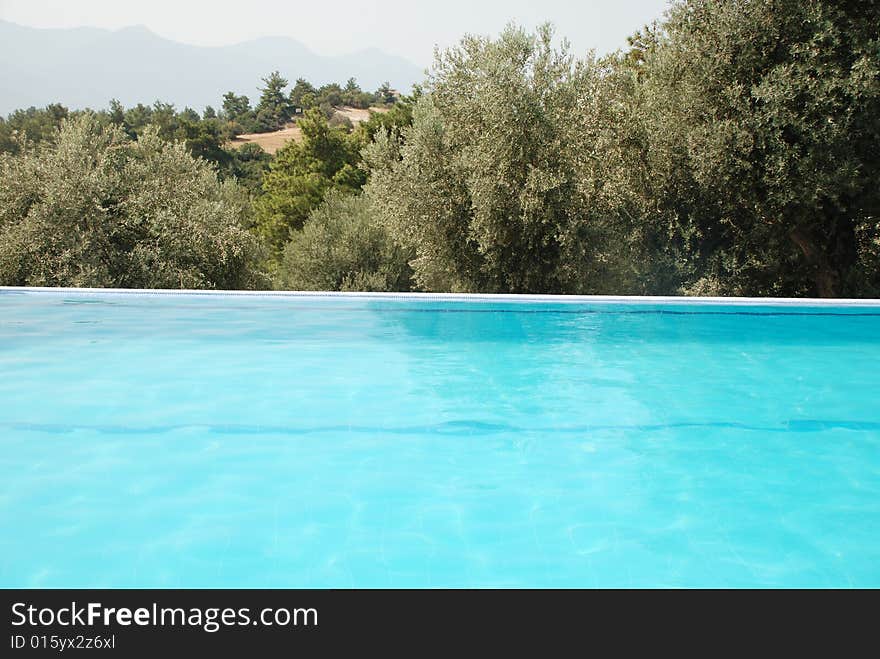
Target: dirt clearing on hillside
(271,142)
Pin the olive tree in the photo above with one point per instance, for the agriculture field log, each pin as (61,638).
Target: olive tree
(484,186)
(92,208)
(763,133)
(342,248)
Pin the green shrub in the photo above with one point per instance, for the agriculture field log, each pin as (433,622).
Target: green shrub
(342,248)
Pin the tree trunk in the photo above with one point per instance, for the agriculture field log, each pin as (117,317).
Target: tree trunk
(828,268)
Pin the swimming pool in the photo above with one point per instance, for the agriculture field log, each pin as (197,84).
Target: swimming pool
(206,440)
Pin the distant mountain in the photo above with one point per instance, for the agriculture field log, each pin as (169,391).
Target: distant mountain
(86,67)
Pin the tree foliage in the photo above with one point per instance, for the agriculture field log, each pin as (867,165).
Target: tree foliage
(92,208)
(484,186)
(33,125)
(763,120)
(274,109)
(303,172)
(300,89)
(341,247)
(394,120)
(732,148)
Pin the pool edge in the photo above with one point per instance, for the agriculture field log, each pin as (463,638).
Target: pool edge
(452,297)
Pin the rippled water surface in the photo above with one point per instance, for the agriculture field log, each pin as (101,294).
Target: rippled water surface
(353,442)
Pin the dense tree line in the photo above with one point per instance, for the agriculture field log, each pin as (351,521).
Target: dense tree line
(206,133)
(733,148)
(205,137)
(276,107)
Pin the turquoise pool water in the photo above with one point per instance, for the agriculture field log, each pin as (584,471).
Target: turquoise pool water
(227,441)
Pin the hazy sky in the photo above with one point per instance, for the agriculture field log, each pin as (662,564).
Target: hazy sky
(410,28)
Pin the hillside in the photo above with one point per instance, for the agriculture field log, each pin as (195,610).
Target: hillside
(271,142)
(86,67)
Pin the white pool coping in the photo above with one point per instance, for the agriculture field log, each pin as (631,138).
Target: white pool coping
(467,297)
